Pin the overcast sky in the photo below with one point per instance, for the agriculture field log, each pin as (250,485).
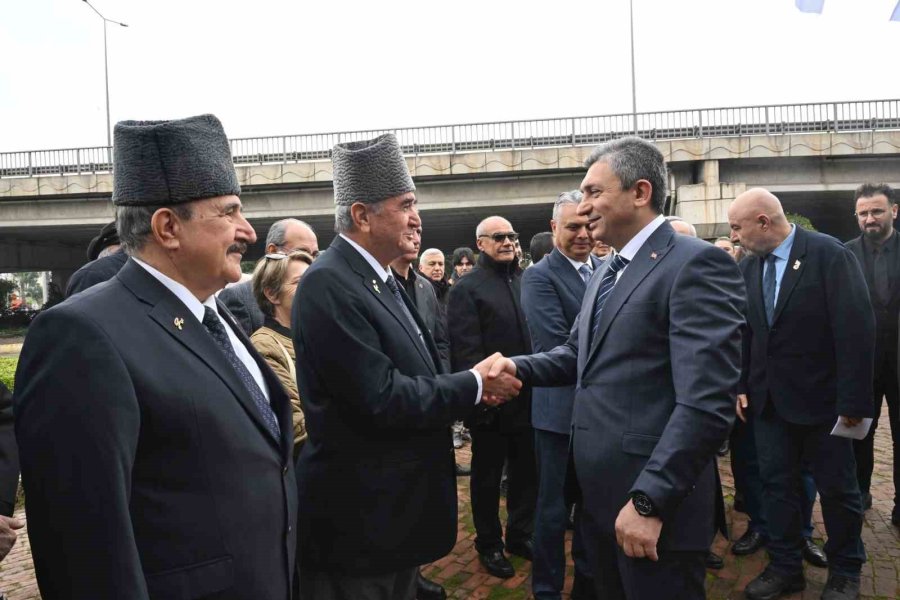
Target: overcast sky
(280,67)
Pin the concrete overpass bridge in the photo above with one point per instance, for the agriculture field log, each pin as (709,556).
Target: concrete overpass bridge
(811,155)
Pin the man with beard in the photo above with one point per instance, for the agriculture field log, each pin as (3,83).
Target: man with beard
(878,251)
(155,443)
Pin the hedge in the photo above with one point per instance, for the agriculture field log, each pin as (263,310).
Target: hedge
(8,370)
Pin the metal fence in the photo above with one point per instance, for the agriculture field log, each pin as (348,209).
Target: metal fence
(780,119)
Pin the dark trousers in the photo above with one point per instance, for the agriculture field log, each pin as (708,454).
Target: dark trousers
(550,517)
(400,585)
(490,448)
(884,385)
(747,482)
(676,576)
(782,448)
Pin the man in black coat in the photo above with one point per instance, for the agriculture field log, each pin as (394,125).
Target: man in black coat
(155,443)
(878,251)
(376,483)
(106,258)
(807,364)
(9,475)
(485,316)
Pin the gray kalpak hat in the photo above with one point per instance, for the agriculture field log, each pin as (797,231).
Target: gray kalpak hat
(161,163)
(369,171)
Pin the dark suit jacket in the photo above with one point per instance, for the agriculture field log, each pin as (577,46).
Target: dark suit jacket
(96,271)
(240,301)
(147,468)
(655,390)
(886,321)
(9,454)
(816,361)
(552,292)
(433,316)
(376,478)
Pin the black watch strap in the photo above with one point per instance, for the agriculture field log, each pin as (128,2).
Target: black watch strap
(643,504)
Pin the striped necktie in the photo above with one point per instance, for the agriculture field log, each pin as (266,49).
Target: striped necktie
(616,264)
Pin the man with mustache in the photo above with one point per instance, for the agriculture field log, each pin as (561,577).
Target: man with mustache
(155,443)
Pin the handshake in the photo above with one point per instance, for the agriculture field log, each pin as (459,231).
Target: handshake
(498,379)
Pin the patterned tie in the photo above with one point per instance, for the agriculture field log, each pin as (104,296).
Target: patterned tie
(585,272)
(217,330)
(616,264)
(769,287)
(392,283)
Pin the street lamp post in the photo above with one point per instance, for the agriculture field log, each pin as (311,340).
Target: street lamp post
(633,86)
(106,69)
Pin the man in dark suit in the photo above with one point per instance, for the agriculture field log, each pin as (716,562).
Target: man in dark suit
(552,292)
(284,236)
(9,475)
(376,482)
(155,443)
(655,356)
(106,258)
(808,356)
(878,251)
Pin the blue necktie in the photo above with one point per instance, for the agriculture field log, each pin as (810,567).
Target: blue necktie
(585,272)
(769,287)
(395,290)
(616,264)
(217,330)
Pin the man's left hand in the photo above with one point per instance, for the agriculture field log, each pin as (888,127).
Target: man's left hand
(637,535)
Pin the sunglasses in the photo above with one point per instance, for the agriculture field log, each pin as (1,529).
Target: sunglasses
(499,237)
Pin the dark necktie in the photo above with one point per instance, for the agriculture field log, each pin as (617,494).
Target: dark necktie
(616,264)
(880,276)
(395,290)
(217,330)
(585,272)
(769,287)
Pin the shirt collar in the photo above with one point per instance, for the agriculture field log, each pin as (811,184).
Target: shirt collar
(197,308)
(577,265)
(382,272)
(631,248)
(783,251)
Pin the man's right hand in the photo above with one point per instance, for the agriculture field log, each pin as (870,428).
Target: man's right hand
(499,386)
(8,526)
(741,405)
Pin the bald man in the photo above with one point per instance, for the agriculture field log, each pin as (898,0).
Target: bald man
(681,226)
(808,360)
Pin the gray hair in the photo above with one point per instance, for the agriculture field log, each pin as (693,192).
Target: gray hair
(573,197)
(672,218)
(632,159)
(430,251)
(278,229)
(343,218)
(133,223)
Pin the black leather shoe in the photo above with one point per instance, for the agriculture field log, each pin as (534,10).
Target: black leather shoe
(497,564)
(429,590)
(840,587)
(463,470)
(770,585)
(814,555)
(525,549)
(714,561)
(583,588)
(748,543)
(867,501)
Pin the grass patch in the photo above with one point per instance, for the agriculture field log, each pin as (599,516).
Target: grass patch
(455,580)
(501,593)
(8,370)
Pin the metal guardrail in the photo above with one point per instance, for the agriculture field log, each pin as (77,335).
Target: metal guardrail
(779,119)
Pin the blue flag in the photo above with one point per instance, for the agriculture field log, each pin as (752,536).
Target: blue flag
(896,15)
(810,6)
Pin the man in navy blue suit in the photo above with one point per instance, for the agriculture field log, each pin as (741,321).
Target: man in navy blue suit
(552,291)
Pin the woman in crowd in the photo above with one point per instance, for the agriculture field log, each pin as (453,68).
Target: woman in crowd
(275,280)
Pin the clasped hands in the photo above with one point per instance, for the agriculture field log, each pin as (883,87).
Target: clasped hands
(498,379)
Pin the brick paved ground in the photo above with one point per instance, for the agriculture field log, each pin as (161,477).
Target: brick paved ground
(464,577)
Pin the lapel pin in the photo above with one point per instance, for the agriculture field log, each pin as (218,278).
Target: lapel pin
(797,264)
(375,286)
(179,323)
(653,255)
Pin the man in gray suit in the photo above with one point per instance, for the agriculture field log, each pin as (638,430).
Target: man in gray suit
(284,236)
(645,432)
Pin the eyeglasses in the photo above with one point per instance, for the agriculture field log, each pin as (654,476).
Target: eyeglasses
(875,212)
(499,237)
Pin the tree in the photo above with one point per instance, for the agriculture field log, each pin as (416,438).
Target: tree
(800,221)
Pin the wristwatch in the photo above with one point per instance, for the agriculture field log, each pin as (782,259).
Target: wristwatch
(643,504)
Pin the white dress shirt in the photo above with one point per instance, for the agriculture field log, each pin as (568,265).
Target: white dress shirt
(631,248)
(198,309)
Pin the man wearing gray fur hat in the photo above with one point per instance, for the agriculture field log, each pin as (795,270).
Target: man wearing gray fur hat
(376,479)
(155,443)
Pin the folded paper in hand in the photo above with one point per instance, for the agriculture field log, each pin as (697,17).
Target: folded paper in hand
(857,432)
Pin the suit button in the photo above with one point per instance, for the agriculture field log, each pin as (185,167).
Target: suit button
(284,471)
(290,528)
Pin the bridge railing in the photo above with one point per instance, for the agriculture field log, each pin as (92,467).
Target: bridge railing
(776,119)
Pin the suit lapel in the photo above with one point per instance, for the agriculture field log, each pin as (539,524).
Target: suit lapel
(754,288)
(569,276)
(793,271)
(586,315)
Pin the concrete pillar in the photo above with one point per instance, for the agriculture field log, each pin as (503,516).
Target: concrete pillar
(705,204)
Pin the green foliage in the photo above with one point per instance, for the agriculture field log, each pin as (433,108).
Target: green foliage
(6,287)
(800,221)
(8,370)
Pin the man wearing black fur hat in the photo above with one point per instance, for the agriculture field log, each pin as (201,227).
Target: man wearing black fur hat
(376,478)
(155,443)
